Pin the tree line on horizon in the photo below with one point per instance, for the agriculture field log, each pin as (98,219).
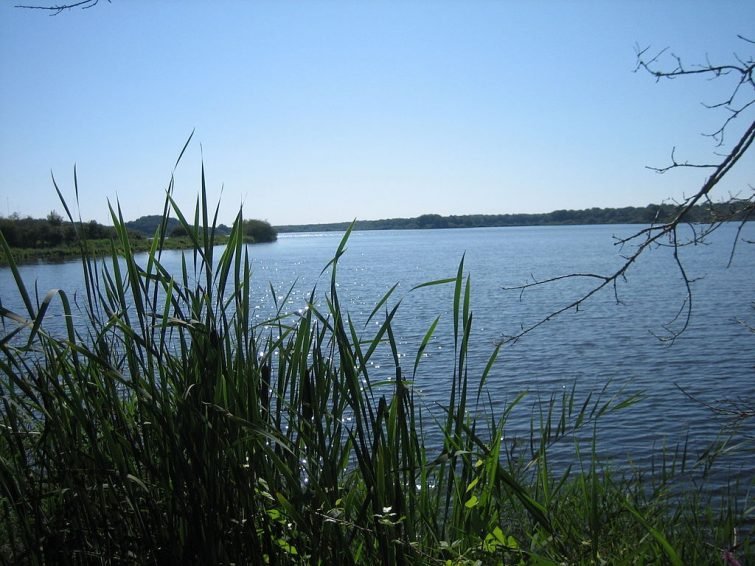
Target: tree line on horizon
(650,214)
(53,231)
(50,232)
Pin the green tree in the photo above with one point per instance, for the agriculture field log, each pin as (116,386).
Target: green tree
(178,232)
(54,218)
(432,221)
(259,231)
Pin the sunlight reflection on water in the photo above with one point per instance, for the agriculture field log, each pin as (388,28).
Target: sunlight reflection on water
(603,342)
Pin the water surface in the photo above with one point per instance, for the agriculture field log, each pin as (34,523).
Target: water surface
(605,341)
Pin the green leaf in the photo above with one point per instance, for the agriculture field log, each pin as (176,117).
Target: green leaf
(423,345)
(287,547)
(431,283)
(656,534)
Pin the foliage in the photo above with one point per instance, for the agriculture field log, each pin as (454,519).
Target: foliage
(650,214)
(54,239)
(170,428)
(178,232)
(37,233)
(148,225)
(259,231)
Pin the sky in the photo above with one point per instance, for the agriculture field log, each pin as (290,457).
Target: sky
(326,111)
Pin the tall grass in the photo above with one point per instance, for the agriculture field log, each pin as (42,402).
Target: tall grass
(170,427)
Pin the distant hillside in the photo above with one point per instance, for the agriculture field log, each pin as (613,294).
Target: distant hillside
(147,225)
(649,214)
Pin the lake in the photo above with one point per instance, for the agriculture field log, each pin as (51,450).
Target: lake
(604,342)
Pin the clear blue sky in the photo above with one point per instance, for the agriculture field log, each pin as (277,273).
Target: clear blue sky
(328,111)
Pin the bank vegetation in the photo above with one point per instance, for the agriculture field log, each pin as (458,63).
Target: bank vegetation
(160,422)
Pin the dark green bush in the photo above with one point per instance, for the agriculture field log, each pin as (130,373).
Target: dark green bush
(259,231)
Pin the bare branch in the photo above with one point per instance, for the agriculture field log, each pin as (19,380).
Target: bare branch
(57,9)
(739,410)
(718,135)
(651,236)
(675,164)
(744,69)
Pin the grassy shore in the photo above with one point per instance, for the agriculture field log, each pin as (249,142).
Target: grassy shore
(94,248)
(171,428)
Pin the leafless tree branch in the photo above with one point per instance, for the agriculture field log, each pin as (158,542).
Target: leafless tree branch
(743,69)
(737,410)
(675,164)
(57,9)
(666,233)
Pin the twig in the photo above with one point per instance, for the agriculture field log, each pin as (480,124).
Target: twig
(55,10)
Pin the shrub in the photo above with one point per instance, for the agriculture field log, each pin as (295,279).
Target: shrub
(259,231)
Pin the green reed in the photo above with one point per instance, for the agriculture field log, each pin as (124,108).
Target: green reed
(170,427)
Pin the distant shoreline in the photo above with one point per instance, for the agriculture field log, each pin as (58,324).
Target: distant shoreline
(100,247)
(650,214)
(52,239)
